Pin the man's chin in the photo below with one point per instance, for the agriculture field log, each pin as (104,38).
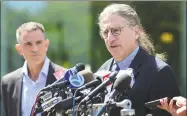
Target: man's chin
(37,61)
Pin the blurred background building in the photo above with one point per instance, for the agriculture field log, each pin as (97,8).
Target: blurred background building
(74,37)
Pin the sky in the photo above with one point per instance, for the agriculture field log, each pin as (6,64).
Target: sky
(32,6)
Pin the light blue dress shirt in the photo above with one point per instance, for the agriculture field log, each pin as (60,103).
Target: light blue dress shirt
(31,88)
(123,65)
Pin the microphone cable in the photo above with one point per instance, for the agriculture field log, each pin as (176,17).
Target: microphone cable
(74,96)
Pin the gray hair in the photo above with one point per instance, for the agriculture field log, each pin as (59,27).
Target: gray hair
(29,26)
(128,13)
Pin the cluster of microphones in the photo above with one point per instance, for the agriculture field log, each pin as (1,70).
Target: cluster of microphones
(81,87)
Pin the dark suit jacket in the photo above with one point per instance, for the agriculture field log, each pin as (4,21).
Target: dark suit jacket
(11,87)
(154,79)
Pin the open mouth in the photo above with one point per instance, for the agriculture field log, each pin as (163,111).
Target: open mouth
(114,46)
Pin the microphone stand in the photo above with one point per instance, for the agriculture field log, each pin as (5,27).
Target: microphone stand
(125,104)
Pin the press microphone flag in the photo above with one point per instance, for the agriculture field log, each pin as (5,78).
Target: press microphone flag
(103,75)
(60,73)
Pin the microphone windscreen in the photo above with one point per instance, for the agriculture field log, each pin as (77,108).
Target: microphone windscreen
(80,67)
(123,81)
(88,75)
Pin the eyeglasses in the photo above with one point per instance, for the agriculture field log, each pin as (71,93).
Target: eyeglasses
(115,31)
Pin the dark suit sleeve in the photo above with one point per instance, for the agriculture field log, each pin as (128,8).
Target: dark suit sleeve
(163,85)
(4,98)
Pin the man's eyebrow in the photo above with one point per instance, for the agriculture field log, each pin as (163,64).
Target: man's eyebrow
(32,41)
(27,42)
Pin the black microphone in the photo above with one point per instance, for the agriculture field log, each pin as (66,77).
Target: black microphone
(66,104)
(72,71)
(92,81)
(60,83)
(101,86)
(50,101)
(121,83)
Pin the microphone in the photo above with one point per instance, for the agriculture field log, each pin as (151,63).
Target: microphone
(58,104)
(121,83)
(91,80)
(50,100)
(70,77)
(94,79)
(101,86)
(66,104)
(87,77)
(126,104)
(75,80)
(102,74)
(72,71)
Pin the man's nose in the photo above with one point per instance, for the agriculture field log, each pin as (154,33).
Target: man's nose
(111,37)
(35,48)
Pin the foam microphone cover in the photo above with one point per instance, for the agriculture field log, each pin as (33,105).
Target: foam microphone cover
(88,75)
(122,82)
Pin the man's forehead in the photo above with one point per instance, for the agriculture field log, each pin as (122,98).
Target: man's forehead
(108,26)
(105,25)
(31,36)
(31,41)
(111,21)
(31,33)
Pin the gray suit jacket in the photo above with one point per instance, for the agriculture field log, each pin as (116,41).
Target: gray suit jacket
(11,88)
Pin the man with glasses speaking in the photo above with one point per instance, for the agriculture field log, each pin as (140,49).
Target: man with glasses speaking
(131,47)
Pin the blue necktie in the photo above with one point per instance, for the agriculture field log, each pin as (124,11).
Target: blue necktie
(117,67)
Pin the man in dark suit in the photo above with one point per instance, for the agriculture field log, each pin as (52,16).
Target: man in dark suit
(20,87)
(130,47)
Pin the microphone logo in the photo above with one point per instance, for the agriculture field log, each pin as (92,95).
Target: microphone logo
(130,72)
(76,80)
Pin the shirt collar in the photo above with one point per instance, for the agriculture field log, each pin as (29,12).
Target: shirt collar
(129,58)
(44,69)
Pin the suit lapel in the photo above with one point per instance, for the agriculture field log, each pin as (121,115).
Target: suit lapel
(138,61)
(109,65)
(17,95)
(50,80)
(50,77)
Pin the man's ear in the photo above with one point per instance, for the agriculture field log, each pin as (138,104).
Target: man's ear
(18,49)
(47,43)
(137,31)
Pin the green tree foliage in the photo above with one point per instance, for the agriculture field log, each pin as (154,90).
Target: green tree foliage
(12,19)
(67,26)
